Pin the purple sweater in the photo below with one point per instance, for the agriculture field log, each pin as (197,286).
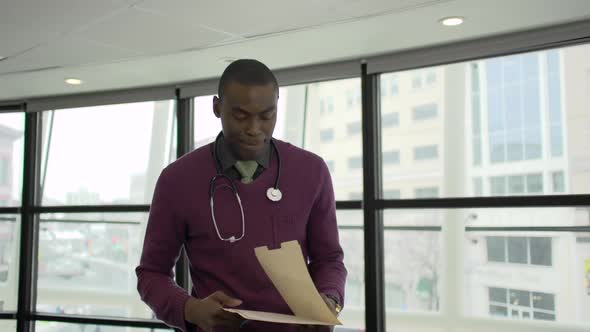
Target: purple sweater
(180,215)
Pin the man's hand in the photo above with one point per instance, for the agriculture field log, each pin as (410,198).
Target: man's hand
(208,313)
(313,328)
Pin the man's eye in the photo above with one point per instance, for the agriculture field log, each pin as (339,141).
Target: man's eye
(240,116)
(268,116)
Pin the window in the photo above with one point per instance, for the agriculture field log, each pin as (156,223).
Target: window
(355,162)
(327,135)
(514,110)
(349,98)
(9,260)
(331,165)
(391,157)
(558,182)
(521,304)
(417,81)
(83,177)
(425,112)
(390,120)
(554,94)
(430,77)
(354,128)
(330,104)
(478,186)
(12,128)
(519,250)
(394,86)
(92,255)
(427,192)
(426,152)
(5,172)
(517,184)
(355,196)
(392,194)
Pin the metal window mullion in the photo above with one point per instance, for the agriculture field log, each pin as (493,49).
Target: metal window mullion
(373,221)
(185,130)
(29,223)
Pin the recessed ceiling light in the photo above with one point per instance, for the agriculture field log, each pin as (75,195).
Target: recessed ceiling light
(73,81)
(2,58)
(452,21)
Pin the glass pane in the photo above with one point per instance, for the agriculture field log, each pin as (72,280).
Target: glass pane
(12,129)
(517,250)
(544,301)
(333,134)
(520,298)
(496,247)
(517,115)
(87,264)
(412,270)
(109,154)
(413,262)
(351,239)
(9,261)
(42,326)
(8,325)
(541,250)
(498,295)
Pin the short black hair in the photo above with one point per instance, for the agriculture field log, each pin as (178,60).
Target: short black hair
(246,72)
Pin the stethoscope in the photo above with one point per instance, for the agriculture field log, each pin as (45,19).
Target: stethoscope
(273,193)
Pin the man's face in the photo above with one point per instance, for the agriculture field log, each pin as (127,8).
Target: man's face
(248,116)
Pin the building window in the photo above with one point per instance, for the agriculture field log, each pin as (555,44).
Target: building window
(330,104)
(558,180)
(427,192)
(391,157)
(514,108)
(424,112)
(390,120)
(417,81)
(354,128)
(520,250)
(554,102)
(477,186)
(349,98)
(430,77)
(355,196)
(426,152)
(516,184)
(355,162)
(4,171)
(327,135)
(331,165)
(394,86)
(521,304)
(392,194)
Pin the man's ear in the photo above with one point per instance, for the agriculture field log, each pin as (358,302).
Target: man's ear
(216,106)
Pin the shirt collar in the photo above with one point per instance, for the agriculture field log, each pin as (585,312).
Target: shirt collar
(227,159)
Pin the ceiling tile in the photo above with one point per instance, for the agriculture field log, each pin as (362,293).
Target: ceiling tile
(69,51)
(56,16)
(255,17)
(150,33)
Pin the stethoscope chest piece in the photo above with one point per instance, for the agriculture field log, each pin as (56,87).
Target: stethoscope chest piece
(274,194)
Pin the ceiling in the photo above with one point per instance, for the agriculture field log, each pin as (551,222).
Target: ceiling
(118,44)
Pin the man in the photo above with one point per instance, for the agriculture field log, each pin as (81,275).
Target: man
(195,205)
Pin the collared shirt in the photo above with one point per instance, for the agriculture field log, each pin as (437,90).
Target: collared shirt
(228,161)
